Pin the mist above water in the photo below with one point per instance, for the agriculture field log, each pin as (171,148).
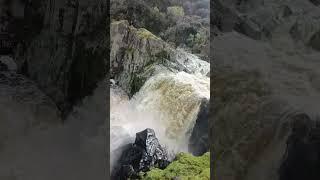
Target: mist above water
(168,103)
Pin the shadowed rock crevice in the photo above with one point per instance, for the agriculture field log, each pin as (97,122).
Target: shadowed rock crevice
(198,142)
(64,48)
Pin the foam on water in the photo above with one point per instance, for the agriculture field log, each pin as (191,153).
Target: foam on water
(167,103)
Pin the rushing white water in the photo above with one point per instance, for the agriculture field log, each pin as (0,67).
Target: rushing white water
(167,102)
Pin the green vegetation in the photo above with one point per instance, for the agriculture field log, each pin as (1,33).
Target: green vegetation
(184,167)
(137,83)
(175,12)
(198,42)
(143,33)
(180,23)
(162,55)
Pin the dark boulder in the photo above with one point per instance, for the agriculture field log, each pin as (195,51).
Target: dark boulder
(142,155)
(302,156)
(199,140)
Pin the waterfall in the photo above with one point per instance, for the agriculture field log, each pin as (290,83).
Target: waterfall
(167,102)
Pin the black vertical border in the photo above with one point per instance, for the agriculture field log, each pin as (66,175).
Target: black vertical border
(107,124)
(211,111)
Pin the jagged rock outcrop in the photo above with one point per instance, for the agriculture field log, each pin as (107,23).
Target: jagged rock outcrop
(132,52)
(64,48)
(137,54)
(144,154)
(198,142)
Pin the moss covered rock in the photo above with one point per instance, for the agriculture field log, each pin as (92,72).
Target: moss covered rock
(184,167)
(133,50)
(143,33)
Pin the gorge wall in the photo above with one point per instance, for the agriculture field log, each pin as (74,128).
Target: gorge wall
(62,45)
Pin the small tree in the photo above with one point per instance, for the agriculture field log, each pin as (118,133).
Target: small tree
(197,42)
(175,12)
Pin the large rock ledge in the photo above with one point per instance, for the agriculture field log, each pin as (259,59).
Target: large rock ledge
(133,51)
(137,54)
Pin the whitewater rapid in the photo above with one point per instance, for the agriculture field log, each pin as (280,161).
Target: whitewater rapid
(168,103)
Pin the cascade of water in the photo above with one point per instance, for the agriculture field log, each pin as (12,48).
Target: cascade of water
(168,103)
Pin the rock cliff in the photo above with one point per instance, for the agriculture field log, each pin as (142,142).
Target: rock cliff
(137,54)
(132,52)
(64,47)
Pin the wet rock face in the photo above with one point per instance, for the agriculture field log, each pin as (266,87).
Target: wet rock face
(142,155)
(302,157)
(199,140)
(65,48)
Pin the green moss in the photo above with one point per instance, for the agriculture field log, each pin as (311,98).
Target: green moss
(143,33)
(137,83)
(176,11)
(184,167)
(162,55)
